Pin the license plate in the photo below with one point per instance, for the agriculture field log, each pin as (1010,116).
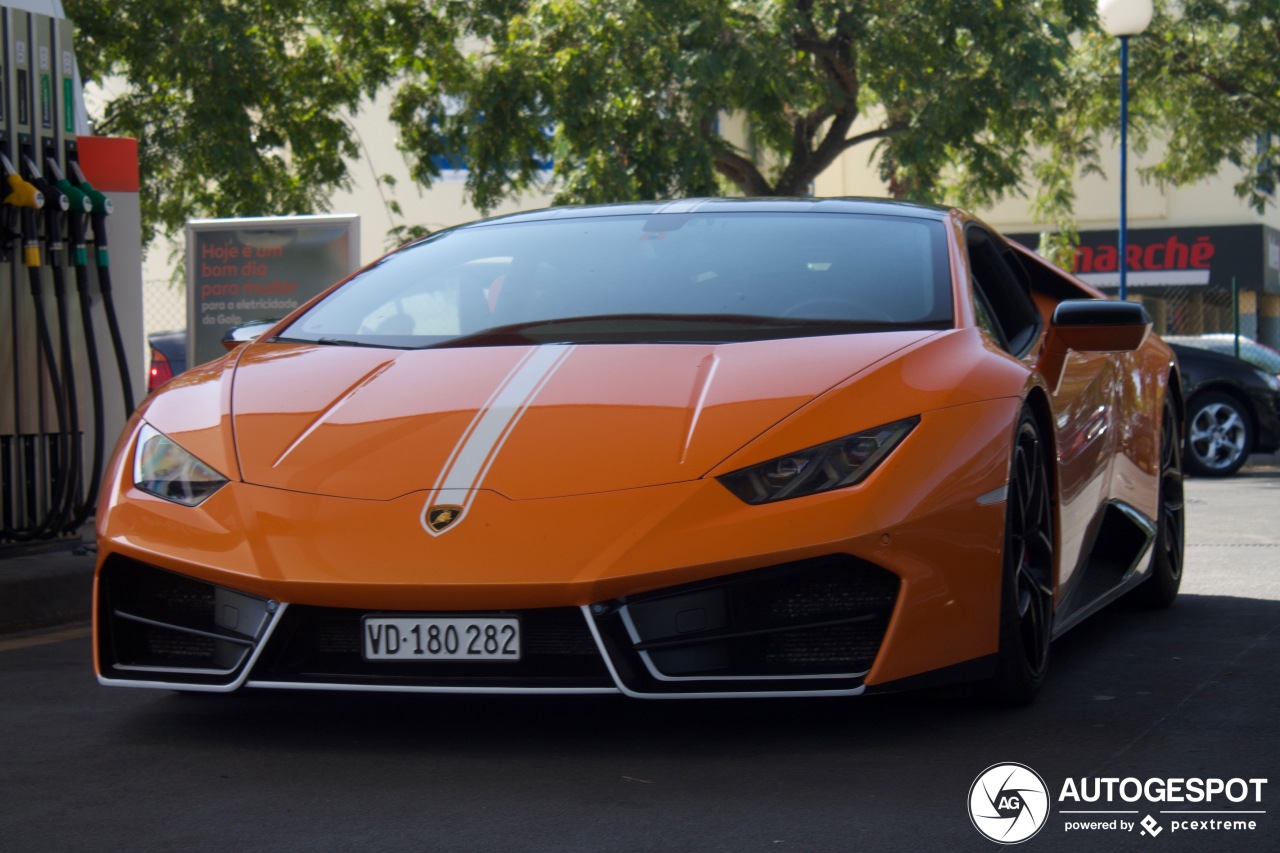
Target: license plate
(474,638)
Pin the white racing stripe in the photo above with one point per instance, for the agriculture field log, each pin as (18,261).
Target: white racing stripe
(473,456)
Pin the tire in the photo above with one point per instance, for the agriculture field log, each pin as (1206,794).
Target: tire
(1219,435)
(1161,588)
(1026,591)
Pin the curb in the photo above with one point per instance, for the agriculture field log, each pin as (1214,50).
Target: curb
(41,588)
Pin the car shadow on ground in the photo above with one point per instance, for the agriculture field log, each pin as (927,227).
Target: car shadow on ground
(1261,465)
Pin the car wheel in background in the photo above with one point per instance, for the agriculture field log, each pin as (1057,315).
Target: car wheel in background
(1026,603)
(1219,434)
(1160,590)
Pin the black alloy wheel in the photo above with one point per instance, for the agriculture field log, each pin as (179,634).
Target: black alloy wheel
(1160,590)
(1026,611)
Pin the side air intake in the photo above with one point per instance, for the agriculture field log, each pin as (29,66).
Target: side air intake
(819,621)
(161,626)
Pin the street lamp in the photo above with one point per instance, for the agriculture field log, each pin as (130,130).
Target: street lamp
(1121,19)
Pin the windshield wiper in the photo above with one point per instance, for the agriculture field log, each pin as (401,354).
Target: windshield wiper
(609,328)
(344,342)
(335,342)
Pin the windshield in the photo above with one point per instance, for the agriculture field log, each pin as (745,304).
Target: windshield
(645,279)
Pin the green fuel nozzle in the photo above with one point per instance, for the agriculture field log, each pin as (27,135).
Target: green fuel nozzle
(101,205)
(78,208)
(100,210)
(77,201)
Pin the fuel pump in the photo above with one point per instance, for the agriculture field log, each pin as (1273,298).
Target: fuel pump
(53,373)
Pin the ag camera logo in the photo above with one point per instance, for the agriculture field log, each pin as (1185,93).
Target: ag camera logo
(1008,803)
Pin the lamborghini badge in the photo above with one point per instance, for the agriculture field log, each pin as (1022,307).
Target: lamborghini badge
(440,517)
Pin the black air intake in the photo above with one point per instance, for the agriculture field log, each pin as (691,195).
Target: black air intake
(161,626)
(819,620)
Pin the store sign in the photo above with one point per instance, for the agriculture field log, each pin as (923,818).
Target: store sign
(1157,262)
(241,270)
(1179,257)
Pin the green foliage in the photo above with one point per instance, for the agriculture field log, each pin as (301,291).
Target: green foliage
(641,98)
(1210,77)
(238,107)
(1204,85)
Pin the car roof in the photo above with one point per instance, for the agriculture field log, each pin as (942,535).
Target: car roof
(876,206)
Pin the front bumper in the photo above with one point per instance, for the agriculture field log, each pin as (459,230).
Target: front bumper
(813,626)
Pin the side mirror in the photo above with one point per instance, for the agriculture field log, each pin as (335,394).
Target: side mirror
(1091,325)
(1098,325)
(246,332)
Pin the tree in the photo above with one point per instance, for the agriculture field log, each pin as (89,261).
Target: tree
(1204,83)
(239,108)
(1208,77)
(640,98)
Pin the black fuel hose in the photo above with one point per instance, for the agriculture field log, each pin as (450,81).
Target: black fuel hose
(95,389)
(98,217)
(78,208)
(63,484)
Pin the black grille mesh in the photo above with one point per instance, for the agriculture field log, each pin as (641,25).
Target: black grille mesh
(323,644)
(817,619)
(158,625)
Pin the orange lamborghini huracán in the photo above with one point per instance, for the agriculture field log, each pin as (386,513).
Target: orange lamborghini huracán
(699,448)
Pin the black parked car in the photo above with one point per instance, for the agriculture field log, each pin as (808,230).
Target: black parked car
(1233,409)
(1259,355)
(168,357)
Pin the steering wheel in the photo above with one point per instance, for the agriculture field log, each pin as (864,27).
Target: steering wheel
(835,308)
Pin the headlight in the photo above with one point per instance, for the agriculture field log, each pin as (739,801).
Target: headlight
(1273,381)
(167,471)
(833,465)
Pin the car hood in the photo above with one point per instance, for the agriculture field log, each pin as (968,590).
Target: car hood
(526,422)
